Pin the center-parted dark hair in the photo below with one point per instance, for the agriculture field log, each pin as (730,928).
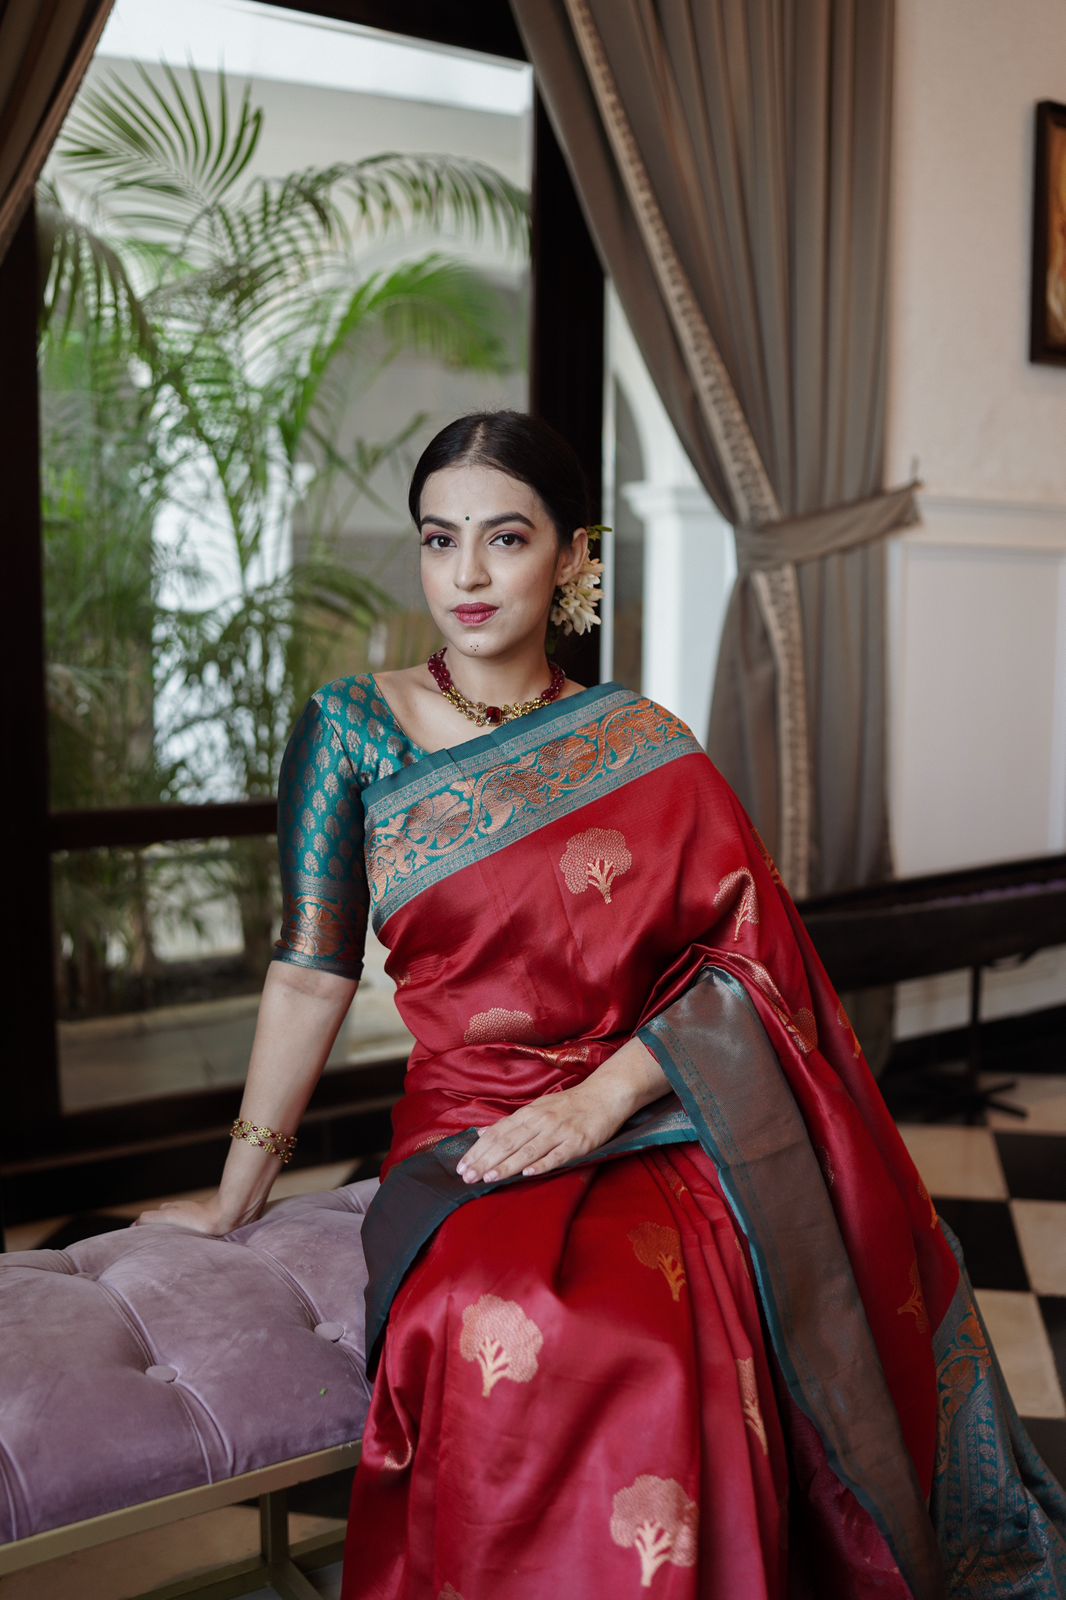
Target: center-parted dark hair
(522,446)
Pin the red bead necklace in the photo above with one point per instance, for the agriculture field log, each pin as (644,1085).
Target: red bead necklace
(477,710)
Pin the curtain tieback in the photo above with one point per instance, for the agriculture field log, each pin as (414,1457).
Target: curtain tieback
(826,533)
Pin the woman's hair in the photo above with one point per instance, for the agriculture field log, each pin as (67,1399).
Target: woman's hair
(522,446)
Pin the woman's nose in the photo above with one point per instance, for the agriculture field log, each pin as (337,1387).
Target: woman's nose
(470,570)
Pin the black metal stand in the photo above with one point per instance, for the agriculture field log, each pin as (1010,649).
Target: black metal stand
(938,1094)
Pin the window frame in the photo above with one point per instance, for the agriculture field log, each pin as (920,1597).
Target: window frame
(52,1161)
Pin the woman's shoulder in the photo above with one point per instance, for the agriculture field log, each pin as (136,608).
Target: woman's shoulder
(363,721)
(346,700)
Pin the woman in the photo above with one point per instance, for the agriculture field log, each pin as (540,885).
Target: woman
(703,1333)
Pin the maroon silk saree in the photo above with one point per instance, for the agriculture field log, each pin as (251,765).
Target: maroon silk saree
(733,1353)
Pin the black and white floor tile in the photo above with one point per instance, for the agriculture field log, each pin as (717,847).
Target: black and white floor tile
(1002,1188)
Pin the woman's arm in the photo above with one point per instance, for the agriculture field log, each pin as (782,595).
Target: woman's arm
(562,1125)
(300,1014)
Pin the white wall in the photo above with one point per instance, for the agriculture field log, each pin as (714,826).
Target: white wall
(978,590)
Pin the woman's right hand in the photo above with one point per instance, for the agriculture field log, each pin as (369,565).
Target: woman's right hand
(202,1215)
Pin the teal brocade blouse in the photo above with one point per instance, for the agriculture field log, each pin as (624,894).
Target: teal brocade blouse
(345,738)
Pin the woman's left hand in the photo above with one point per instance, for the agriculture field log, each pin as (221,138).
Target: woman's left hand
(547,1132)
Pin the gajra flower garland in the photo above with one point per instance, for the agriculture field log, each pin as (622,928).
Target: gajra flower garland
(573,607)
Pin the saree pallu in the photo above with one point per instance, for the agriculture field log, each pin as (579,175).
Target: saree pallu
(733,1352)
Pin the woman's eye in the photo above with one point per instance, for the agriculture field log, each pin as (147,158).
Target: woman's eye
(428,540)
(517,536)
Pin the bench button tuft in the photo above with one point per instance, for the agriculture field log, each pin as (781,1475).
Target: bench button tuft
(330,1330)
(163,1373)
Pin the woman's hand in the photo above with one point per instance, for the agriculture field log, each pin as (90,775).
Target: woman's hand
(548,1132)
(202,1215)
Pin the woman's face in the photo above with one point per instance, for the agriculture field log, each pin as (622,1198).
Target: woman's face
(490,559)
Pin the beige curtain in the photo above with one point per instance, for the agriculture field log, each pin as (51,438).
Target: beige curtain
(45,47)
(732,157)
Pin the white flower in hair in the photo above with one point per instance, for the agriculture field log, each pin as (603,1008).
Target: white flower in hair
(573,609)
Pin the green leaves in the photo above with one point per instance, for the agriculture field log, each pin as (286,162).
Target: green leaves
(162,162)
(203,333)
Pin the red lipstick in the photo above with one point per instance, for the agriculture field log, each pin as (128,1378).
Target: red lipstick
(475,614)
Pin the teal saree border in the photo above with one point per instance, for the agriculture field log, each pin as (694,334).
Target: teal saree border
(487,744)
(713,1048)
(999,1514)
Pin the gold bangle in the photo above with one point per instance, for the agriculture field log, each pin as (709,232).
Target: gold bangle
(278,1144)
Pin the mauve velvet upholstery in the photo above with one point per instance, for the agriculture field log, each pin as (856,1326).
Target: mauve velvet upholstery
(152,1359)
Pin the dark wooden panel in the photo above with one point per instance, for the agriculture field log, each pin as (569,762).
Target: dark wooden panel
(484,25)
(118,1174)
(567,340)
(30,1083)
(136,826)
(164,1120)
(940,922)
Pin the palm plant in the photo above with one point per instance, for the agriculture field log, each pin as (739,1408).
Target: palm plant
(200,330)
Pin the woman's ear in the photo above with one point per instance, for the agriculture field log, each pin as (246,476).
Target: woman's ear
(571,562)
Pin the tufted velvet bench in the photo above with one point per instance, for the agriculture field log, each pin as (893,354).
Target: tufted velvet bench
(153,1373)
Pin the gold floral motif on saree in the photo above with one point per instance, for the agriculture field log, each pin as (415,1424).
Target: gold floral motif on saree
(498,1024)
(845,1022)
(594,859)
(934,1217)
(962,1367)
(803,1028)
(743,1254)
(659,1248)
(747,902)
(767,857)
(915,1302)
(655,1517)
(677,1183)
(801,1025)
(749,1399)
(398,1463)
(504,1342)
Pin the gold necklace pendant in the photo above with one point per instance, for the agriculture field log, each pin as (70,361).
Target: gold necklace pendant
(477,710)
(480,713)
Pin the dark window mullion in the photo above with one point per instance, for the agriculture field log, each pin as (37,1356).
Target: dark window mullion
(132,827)
(31,1082)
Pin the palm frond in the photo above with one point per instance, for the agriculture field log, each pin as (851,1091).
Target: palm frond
(434,191)
(163,162)
(82,274)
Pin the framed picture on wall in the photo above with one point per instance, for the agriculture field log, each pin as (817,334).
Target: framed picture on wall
(1047,306)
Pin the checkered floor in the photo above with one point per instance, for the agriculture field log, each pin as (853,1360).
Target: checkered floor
(1002,1188)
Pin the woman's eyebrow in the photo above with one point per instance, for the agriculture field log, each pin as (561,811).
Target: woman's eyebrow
(488,522)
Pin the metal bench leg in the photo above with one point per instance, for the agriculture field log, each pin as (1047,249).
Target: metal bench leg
(274,1569)
(282,1573)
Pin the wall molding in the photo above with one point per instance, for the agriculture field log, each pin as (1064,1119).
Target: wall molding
(1022,527)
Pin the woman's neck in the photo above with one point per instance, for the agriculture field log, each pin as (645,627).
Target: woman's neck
(498,682)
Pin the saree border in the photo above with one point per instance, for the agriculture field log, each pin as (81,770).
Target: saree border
(999,1512)
(486,744)
(422,1191)
(714,1050)
(472,803)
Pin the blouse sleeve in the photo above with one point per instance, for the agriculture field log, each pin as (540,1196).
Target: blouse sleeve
(325,896)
